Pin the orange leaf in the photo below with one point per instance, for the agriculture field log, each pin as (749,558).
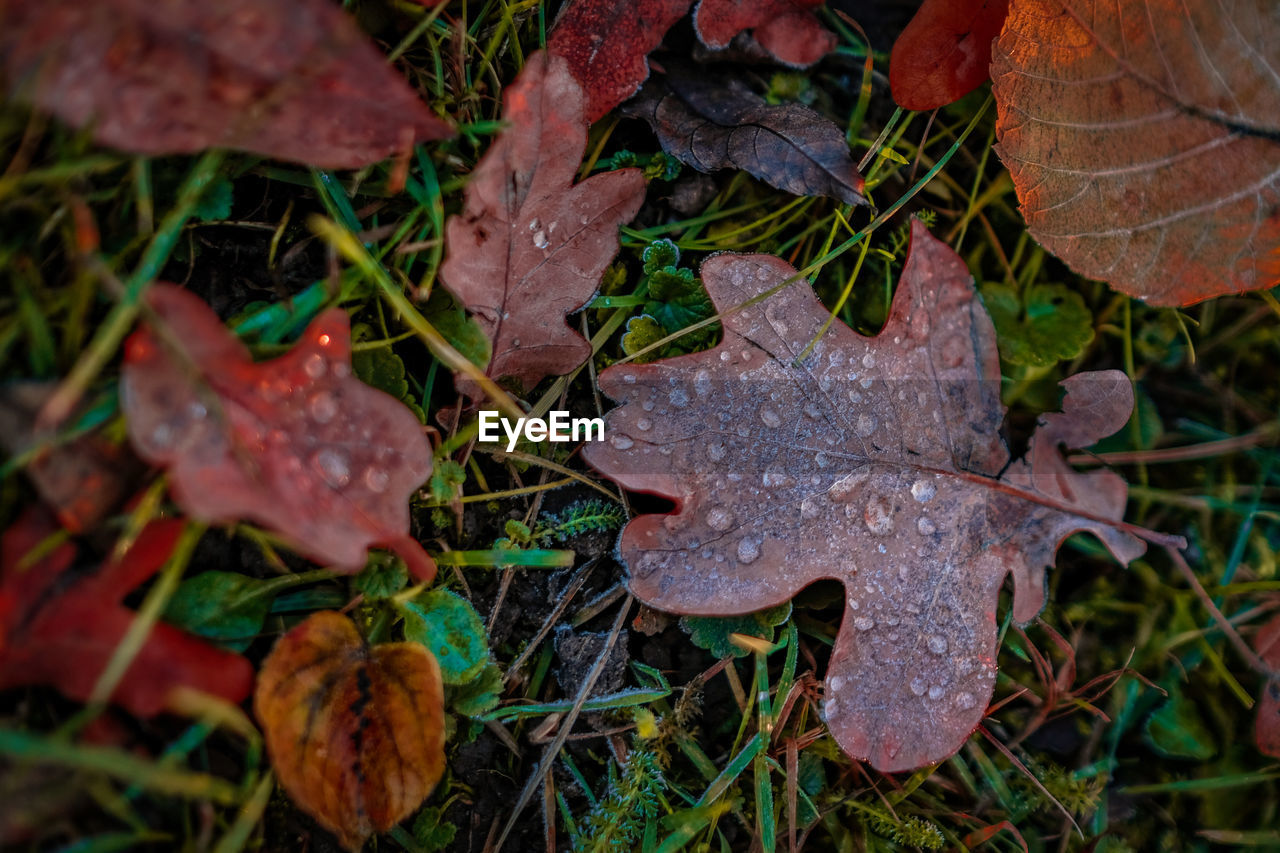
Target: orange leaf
(355,733)
(1144,144)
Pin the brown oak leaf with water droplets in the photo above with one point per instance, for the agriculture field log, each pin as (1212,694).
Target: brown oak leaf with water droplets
(873,461)
(295,80)
(296,443)
(1144,143)
(355,732)
(530,245)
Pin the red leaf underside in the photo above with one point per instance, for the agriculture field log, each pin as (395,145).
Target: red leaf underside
(295,443)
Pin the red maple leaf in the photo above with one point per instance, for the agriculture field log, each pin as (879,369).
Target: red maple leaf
(296,443)
(60,627)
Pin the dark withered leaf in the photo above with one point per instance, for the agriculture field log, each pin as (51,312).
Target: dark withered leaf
(711,122)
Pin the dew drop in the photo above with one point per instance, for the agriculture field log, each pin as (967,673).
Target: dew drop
(322,407)
(162,436)
(716,451)
(333,466)
(935,692)
(918,686)
(770,418)
(867,383)
(868,360)
(678,398)
(879,516)
(923,490)
(648,404)
(748,550)
(540,240)
(701,383)
(865,426)
(809,509)
(621,442)
(719,518)
(644,424)
(196,411)
(821,459)
(314,365)
(376,480)
(937,644)
(864,623)
(964,701)
(843,490)
(925,526)
(629,378)
(776,477)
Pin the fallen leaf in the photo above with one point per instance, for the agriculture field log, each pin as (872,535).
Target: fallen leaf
(355,733)
(296,443)
(788,29)
(84,479)
(295,80)
(874,461)
(60,626)
(606,44)
(1267,722)
(530,245)
(945,52)
(711,122)
(1145,149)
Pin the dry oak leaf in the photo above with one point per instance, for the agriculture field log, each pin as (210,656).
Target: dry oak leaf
(355,733)
(295,443)
(296,80)
(606,43)
(1266,731)
(1144,140)
(945,52)
(873,461)
(711,122)
(60,624)
(530,245)
(788,29)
